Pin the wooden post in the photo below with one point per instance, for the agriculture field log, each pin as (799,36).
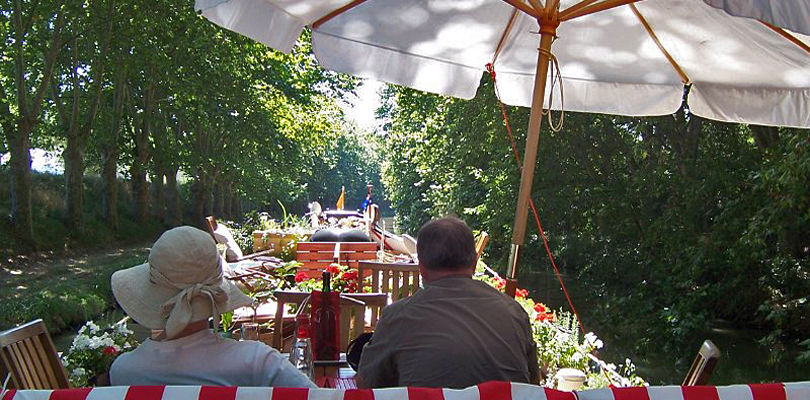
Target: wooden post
(548,31)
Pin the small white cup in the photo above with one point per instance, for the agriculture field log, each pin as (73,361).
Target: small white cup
(569,379)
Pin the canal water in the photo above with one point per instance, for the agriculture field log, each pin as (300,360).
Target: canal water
(743,360)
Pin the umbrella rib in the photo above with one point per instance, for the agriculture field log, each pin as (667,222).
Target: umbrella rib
(440,60)
(595,8)
(575,8)
(785,34)
(506,31)
(335,13)
(661,47)
(537,5)
(520,5)
(552,5)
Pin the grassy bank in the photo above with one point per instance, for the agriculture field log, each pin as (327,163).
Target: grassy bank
(51,232)
(64,292)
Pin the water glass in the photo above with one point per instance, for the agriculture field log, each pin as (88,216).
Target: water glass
(249,331)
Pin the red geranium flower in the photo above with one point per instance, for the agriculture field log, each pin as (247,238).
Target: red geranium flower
(300,277)
(109,350)
(333,269)
(541,308)
(349,275)
(500,283)
(522,293)
(544,317)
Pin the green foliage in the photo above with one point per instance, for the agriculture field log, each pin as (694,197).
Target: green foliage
(66,296)
(703,220)
(245,125)
(560,343)
(51,232)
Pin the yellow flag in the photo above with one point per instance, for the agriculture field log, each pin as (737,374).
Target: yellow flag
(342,198)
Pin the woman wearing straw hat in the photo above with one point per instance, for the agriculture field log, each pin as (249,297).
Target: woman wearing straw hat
(177,291)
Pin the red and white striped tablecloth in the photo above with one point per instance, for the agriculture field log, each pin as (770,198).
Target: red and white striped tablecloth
(486,391)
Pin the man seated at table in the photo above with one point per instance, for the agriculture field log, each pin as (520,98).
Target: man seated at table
(180,287)
(456,332)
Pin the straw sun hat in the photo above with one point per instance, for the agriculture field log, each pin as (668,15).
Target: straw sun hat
(181,283)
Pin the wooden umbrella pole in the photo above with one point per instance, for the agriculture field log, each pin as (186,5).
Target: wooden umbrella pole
(548,31)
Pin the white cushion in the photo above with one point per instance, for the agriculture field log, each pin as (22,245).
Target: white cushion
(223,235)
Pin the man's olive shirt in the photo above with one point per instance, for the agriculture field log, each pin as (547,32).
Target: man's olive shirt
(455,332)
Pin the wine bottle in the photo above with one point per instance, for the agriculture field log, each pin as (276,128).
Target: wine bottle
(326,321)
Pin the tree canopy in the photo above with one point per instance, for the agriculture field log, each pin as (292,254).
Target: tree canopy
(697,219)
(150,92)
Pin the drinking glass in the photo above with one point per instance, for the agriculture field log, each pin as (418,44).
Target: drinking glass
(249,331)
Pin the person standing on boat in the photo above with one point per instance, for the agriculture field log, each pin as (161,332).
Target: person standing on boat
(368,201)
(176,292)
(455,332)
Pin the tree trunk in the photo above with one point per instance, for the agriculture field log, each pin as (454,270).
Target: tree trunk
(199,204)
(109,193)
(227,208)
(203,199)
(74,171)
(21,212)
(159,206)
(237,210)
(219,200)
(141,162)
(175,211)
(208,198)
(140,191)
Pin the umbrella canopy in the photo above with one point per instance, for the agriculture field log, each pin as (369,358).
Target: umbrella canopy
(786,14)
(627,60)
(626,57)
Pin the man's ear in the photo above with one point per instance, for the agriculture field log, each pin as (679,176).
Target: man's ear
(424,272)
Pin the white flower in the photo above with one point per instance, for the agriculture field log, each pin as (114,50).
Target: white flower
(592,340)
(106,340)
(80,342)
(95,342)
(122,329)
(78,372)
(93,327)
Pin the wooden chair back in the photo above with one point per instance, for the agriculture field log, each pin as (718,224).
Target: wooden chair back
(28,354)
(703,366)
(399,280)
(211,224)
(316,256)
(353,308)
(480,244)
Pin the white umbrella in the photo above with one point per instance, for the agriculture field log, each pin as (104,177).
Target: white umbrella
(625,57)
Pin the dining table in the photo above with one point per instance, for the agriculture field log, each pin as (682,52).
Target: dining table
(334,374)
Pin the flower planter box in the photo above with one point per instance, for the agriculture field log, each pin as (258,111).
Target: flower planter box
(275,242)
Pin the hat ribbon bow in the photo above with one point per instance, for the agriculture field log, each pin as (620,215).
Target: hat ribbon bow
(177,311)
